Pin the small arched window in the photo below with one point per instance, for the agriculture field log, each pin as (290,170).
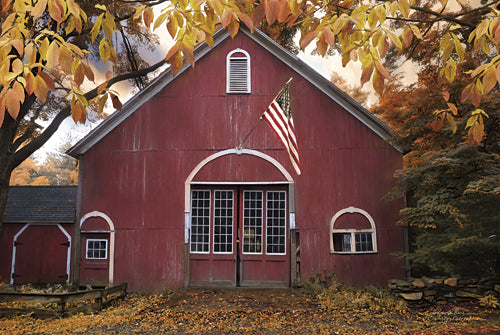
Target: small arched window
(352,230)
(238,72)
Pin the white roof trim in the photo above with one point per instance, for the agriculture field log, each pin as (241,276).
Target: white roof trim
(324,85)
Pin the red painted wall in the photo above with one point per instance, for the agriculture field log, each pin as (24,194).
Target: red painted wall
(40,259)
(136,173)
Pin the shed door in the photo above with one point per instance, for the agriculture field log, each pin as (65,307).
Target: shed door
(239,237)
(41,255)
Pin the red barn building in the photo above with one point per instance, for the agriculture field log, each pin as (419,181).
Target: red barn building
(168,199)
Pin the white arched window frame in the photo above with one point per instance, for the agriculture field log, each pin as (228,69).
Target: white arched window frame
(238,72)
(353,241)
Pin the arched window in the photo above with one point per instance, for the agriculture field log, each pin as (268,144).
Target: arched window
(238,72)
(352,230)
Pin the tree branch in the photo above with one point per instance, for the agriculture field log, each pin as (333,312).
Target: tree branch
(40,140)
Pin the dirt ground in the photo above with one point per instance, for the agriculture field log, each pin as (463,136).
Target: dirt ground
(256,311)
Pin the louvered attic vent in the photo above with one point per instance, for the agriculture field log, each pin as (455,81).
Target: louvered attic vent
(238,72)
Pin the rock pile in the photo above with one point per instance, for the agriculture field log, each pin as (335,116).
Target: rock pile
(425,291)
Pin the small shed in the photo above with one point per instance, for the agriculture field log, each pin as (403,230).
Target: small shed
(169,198)
(36,240)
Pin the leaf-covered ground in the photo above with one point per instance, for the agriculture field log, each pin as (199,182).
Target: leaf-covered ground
(257,311)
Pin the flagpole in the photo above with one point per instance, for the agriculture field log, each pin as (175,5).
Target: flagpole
(260,118)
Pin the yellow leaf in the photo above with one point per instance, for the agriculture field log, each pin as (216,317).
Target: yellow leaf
(102,102)
(482,28)
(321,45)
(148,16)
(233,28)
(450,70)
(246,20)
(48,81)
(458,47)
(172,26)
(55,10)
(453,108)
(329,36)
(108,26)
(416,31)
(187,51)
(272,9)
(40,88)
(65,59)
(395,40)
(160,20)
(367,72)
(79,74)
(116,101)
(52,56)
(102,7)
(96,28)
(12,103)
(17,66)
(404,7)
(489,80)
(452,122)
(226,17)
(30,80)
(19,46)
(378,82)
(73,8)
(308,39)
(381,69)
(39,8)
(88,72)
(104,51)
(18,90)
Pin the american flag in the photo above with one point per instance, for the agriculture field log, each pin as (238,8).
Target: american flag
(279,117)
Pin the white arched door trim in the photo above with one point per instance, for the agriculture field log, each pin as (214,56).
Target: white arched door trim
(111,232)
(236,151)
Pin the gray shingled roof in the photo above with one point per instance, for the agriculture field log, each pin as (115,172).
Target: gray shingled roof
(28,204)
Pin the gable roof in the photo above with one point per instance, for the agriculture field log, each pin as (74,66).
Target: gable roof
(31,204)
(307,72)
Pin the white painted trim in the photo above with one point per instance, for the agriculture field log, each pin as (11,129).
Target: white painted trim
(68,254)
(373,230)
(111,232)
(96,240)
(194,172)
(230,57)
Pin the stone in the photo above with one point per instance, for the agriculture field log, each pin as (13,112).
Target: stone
(428,293)
(411,296)
(399,283)
(430,298)
(418,283)
(451,282)
(464,294)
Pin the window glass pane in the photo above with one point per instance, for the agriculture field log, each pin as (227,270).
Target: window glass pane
(252,221)
(223,221)
(364,241)
(200,220)
(342,242)
(97,249)
(276,222)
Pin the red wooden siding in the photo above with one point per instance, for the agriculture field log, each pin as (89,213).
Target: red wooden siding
(41,253)
(136,174)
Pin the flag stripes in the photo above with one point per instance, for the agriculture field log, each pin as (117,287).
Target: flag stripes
(278,116)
